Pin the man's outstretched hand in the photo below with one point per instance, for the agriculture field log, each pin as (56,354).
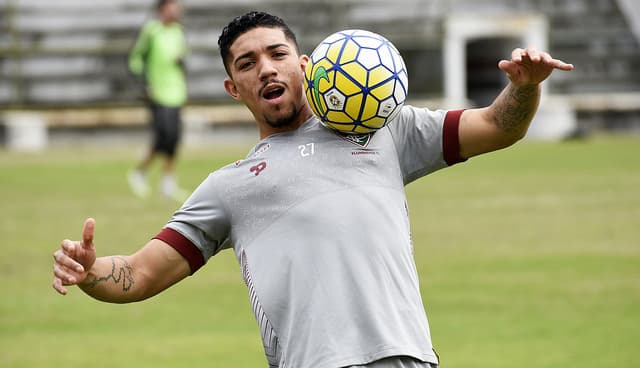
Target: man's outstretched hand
(74,259)
(530,66)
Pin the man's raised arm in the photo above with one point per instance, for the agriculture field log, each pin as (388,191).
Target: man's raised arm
(117,279)
(507,119)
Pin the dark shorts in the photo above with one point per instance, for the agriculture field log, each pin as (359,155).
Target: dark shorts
(166,126)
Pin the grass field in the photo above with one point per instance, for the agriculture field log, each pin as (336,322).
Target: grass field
(527,257)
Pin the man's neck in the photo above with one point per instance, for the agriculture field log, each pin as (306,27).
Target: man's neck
(267,130)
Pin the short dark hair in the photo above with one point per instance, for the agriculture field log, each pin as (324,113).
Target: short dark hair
(246,22)
(161,3)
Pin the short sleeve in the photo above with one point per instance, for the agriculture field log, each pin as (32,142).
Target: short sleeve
(203,221)
(425,140)
(184,246)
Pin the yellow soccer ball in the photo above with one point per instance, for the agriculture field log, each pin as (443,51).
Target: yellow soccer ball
(356,81)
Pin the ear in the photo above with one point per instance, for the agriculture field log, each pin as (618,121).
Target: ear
(230,87)
(304,60)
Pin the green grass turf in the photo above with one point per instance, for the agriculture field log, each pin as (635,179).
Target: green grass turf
(527,257)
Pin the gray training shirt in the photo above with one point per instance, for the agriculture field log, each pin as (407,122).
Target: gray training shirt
(319,223)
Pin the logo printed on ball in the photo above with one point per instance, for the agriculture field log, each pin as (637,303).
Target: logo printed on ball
(335,101)
(321,73)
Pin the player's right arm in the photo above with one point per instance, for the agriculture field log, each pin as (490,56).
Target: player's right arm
(117,279)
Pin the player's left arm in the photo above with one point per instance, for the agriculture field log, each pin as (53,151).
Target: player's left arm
(507,119)
(184,52)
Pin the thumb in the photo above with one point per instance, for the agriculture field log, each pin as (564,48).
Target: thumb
(508,67)
(87,233)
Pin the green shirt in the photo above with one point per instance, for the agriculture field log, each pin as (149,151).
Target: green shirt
(158,55)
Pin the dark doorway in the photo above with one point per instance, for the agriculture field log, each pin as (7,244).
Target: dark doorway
(484,79)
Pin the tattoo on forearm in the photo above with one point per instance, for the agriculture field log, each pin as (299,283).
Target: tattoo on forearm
(121,273)
(516,107)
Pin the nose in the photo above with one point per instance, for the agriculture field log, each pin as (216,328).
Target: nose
(267,69)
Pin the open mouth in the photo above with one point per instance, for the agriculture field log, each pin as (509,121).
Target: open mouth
(272,92)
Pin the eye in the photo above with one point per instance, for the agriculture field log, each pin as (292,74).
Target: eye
(246,65)
(280,54)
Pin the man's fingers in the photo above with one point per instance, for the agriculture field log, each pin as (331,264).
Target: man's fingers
(57,285)
(66,271)
(68,247)
(63,258)
(533,54)
(516,55)
(559,64)
(546,58)
(87,232)
(519,55)
(66,275)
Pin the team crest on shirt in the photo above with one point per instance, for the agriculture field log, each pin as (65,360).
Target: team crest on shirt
(361,140)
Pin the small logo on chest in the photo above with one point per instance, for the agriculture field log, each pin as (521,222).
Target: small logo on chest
(361,140)
(257,169)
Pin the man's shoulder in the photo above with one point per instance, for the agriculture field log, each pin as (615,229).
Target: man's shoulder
(151,24)
(151,27)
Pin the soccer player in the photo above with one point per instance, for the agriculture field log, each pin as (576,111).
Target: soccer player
(158,58)
(324,293)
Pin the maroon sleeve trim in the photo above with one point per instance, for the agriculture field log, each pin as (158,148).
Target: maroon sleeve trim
(451,139)
(183,246)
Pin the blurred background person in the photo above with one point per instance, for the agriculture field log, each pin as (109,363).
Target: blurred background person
(157,58)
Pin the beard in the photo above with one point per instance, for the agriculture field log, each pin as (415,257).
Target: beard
(286,118)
